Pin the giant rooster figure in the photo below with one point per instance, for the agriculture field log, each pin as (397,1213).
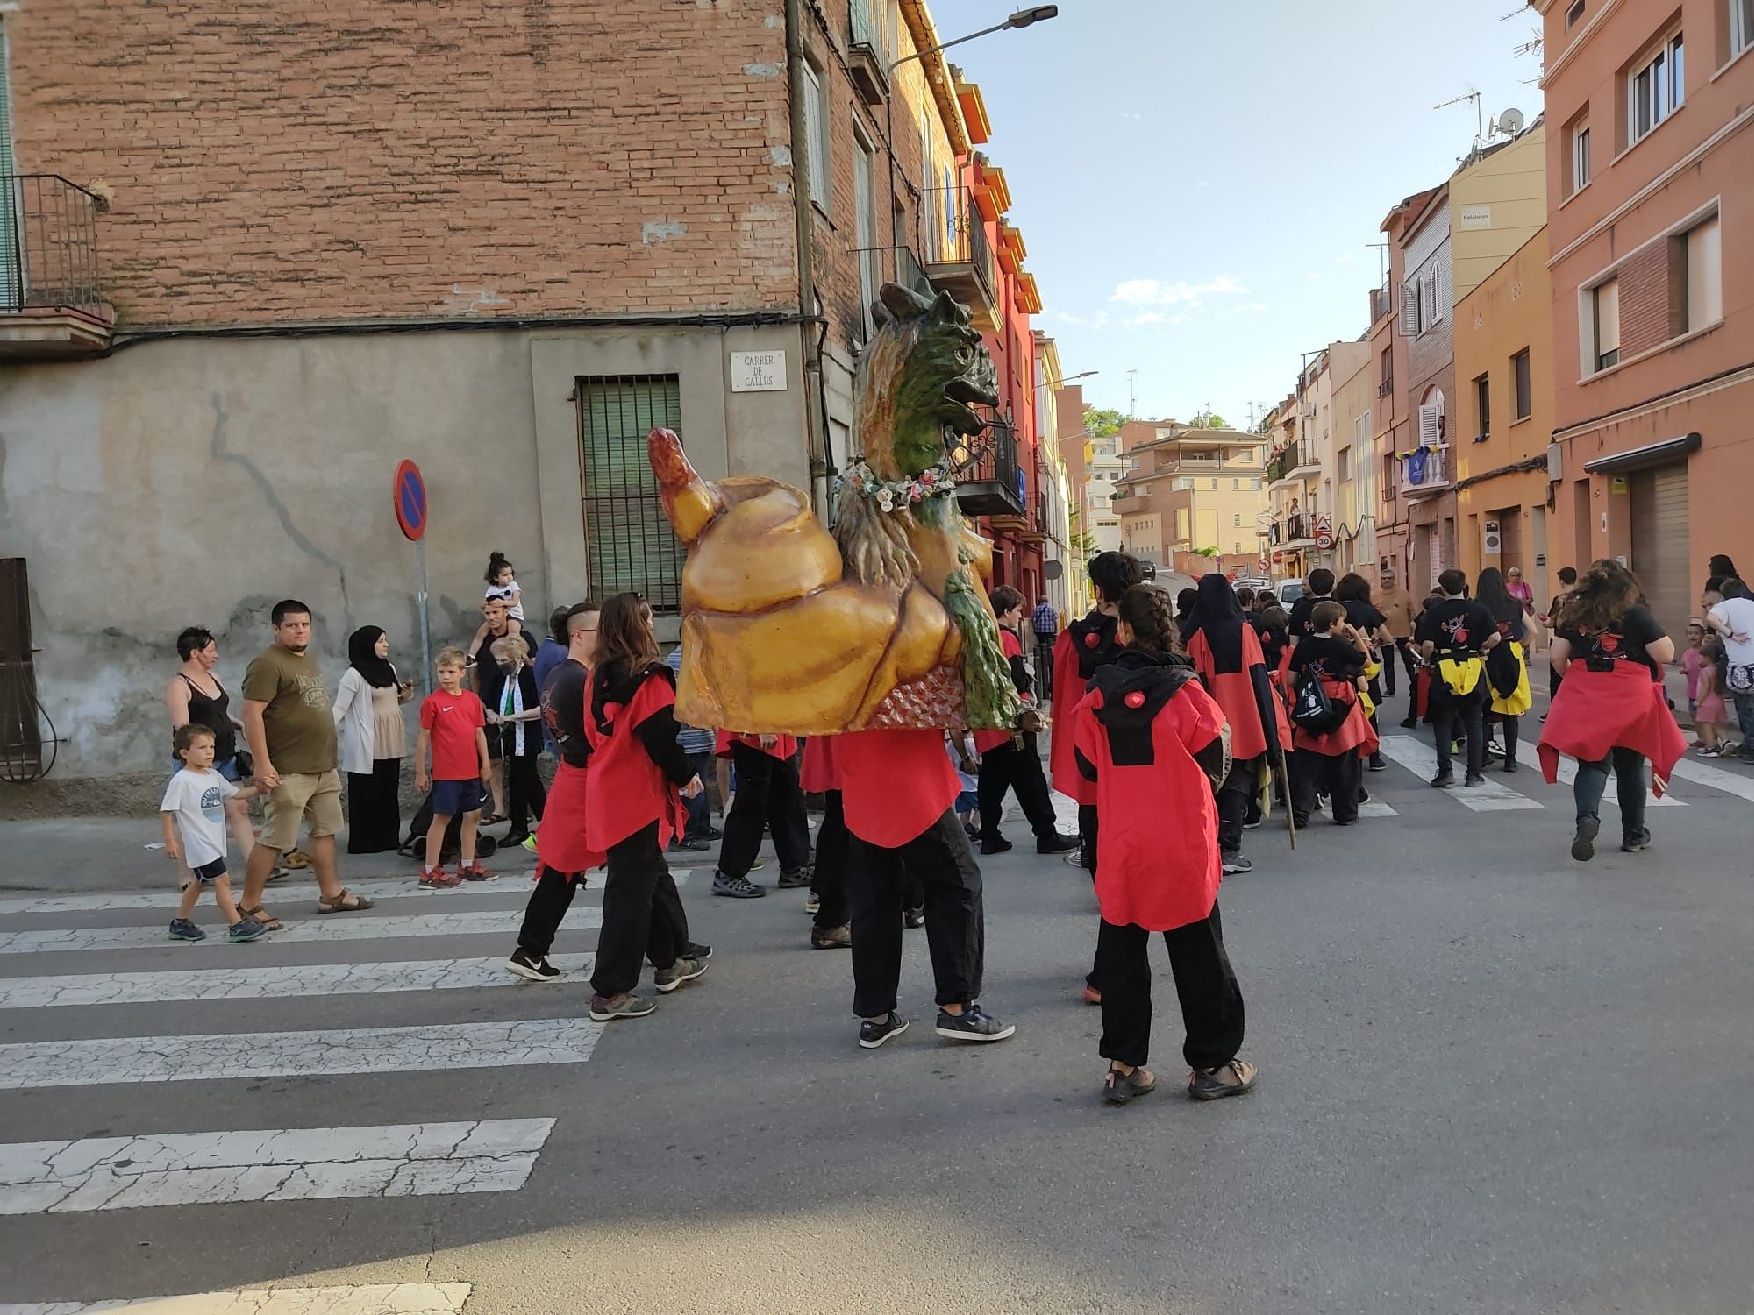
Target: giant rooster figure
(786,630)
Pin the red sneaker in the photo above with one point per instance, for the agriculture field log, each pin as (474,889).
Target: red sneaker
(474,872)
(438,879)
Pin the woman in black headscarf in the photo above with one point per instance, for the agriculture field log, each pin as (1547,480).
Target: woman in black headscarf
(368,718)
(1184,611)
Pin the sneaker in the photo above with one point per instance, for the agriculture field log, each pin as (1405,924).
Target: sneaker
(713,833)
(1090,995)
(1056,844)
(607,1008)
(1363,795)
(1493,751)
(995,845)
(474,872)
(695,950)
(530,844)
(683,970)
(1474,778)
(514,838)
(1376,764)
(973,833)
(913,919)
(1442,781)
(812,904)
(1409,724)
(1118,1088)
(758,865)
(1232,1079)
(973,1024)
(795,878)
(874,1032)
(695,846)
(1234,863)
(438,879)
(831,938)
(736,887)
(533,967)
(1705,752)
(1583,844)
(184,930)
(1254,825)
(245,930)
(1638,840)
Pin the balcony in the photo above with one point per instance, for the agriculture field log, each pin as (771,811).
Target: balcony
(867,52)
(1289,463)
(50,302)
(961,260)
(909,273)
(1380,305)
(989,481)
(1295,531)
(1386,387)
(1425,473)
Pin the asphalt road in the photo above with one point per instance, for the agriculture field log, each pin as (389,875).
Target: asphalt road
(1492,1079)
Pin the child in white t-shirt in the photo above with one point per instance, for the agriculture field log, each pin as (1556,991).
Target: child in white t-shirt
(502,583)
(193,813)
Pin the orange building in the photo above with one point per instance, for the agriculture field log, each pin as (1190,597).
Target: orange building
(1650,165)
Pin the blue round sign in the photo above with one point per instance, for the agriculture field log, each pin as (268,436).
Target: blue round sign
(1022,488)
(410,500)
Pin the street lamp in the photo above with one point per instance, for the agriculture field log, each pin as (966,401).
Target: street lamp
(1021,19)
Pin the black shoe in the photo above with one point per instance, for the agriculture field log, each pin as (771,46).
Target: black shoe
(1056,844)
(695,846)
(1443,780)
(1234,863)
(736,887)
(1510,765)
(795,878)
(1409,723)
(831,938)
(1250,823)
(973,833)
(1474,778)
(1635,842)
(1583,844)
(533,967)
(1376,763)
(995,845)
(1363,795)
(973,1024)
(1302,820)
(517,837)
(713,833)
(873,1034)
(913,919)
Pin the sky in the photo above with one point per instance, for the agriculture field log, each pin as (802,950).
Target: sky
(1198,183)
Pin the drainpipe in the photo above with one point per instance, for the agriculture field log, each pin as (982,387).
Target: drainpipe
(815,399)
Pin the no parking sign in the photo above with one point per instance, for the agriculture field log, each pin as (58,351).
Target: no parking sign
(408,497)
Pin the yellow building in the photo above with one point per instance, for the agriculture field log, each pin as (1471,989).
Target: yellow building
(1504,376)
(1188,489)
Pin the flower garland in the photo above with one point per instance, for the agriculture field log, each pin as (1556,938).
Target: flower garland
(904,493)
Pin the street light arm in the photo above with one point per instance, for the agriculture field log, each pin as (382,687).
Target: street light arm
(933,50)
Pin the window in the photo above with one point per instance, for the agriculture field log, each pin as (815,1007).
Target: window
(1523,385)
(1343,463)
(1482,408)
(1741,26)
(1601,327)
(816,135)
(1236,520)
(1580,156)
(1214,486)
(1655,90)
(1236,486)
(1388,477)
(865,228)
(1696,287)
(629,546)
(1573,14)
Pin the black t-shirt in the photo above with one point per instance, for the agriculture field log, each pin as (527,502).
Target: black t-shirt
(1298,623)
(1339,659)
(1363,616)
(1622,642)
(1457,626)
(563,711)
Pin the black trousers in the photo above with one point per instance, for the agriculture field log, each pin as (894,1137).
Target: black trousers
(1464,716)
(1205,983)
(1009,767)
(768,797)
(939,858)
(1512,729)
(528,796)
(1339,777)
(1087,830)
(1410,664)
(829,880)
(642,914)
(548,905)
(1234,794)
(1044,667)
(374,815)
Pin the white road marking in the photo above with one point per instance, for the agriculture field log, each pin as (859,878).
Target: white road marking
(512,883)
(361,1299)
(1376,808)
(1716,777)
(433,1048)
(1421,759)
(271,1164)
(1568,774)
(316,928)
(276,983)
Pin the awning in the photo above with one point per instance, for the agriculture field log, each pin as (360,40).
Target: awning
(1651,454)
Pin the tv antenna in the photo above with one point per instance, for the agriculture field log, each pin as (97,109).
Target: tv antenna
(1479,121)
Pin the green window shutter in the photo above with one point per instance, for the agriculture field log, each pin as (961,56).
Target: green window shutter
(629,545)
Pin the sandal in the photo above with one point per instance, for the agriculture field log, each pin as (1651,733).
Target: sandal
(343,902)
(1118,1088)
(267,920)
(494,819)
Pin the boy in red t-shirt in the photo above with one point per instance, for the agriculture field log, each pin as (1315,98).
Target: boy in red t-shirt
(452,722)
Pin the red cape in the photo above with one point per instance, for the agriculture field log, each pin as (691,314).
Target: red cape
(1158,863)
(1013,648)
(818,774)
(1078,652)
(1599,711)
(626,791)
(562,841)
(784,745)
(1256,715)
(894,783)
(1353,734)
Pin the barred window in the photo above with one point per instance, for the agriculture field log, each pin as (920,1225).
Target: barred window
(629,545)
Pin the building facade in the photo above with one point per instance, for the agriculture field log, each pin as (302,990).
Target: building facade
(1192,497)
(1354,465)
(1650,170)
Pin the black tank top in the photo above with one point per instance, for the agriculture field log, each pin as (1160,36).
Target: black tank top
(211,712)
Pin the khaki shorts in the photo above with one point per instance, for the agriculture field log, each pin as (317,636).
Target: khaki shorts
(314,798)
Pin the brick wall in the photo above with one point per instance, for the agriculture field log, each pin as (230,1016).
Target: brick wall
(399,158)
(1646,315)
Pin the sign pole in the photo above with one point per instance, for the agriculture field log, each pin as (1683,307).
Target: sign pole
(425,619)
(409,499)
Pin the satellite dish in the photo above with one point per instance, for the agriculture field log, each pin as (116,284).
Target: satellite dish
(1510,123)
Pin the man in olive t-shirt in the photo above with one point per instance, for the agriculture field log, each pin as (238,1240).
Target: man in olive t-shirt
(291,731)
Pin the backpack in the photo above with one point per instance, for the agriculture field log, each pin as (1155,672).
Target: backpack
(1312,708)
(452,846)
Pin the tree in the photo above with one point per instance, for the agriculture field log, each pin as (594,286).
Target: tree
(1207,553)
(1078,540)
(1099,422)
(1210,420)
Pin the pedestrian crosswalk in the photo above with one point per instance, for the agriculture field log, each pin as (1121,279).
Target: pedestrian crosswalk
(282,1299)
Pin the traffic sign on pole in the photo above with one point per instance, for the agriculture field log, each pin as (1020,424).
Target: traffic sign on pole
(409,494)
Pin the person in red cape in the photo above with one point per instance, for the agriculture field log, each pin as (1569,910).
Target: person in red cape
(1227,657)
(1610,710)
(1010,760)
(1332,762)
(819,774)
(561,842)
(897,788)
(767,799)
(632,809)
(1153,743)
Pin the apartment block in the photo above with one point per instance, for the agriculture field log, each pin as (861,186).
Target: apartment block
(1192,496)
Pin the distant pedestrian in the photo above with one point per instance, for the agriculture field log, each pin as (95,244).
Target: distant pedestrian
(515,737)
(1045,623)
(453,726)
(697,743)
(1709,712)
(1518,588)
(1352,592)
(194,695)
(368,718)
(502,584)
(193,813)
(1692,662)
(1733,618)
(489,681)
(291,733)
(1567,582)
(1507,666)
(830,923)
(1184,609)
(1455,634)
(1329,760)
(1397,608)
(550,653)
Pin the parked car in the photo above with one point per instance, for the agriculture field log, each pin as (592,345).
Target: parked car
(1288,592)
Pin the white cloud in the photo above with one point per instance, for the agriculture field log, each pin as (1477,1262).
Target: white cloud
(1346,258)
(1146,317)
(1096,321)
(1131,118)
(1152,292)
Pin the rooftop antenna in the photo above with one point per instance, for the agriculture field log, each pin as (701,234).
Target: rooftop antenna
(1132,394)
(1479,120)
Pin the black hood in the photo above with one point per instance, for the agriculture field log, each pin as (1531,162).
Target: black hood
(1093,640)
